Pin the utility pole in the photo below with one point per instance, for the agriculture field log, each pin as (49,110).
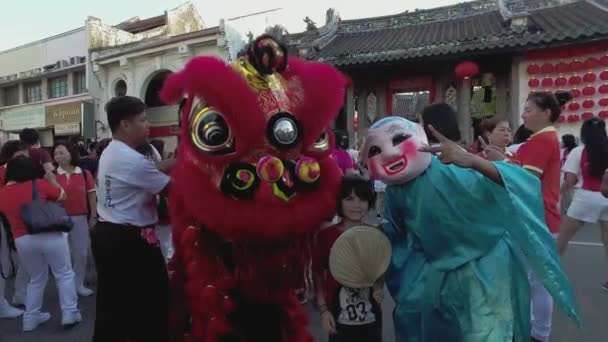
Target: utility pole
(254,14)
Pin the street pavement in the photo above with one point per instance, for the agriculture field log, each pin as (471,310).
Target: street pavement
(585,264)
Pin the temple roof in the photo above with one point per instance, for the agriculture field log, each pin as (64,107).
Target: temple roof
(475,26)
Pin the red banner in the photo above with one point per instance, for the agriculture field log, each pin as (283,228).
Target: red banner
(569,51)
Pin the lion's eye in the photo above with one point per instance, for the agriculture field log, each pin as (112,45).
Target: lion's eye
(210,132)
(322,144)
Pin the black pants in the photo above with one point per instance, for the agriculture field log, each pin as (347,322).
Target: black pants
(358,333)
(133,287)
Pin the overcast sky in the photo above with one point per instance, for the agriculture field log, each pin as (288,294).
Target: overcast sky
(24,21)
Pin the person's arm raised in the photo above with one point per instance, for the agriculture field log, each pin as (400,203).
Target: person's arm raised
(449,152)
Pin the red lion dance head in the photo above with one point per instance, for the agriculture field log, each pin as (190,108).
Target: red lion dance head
(254,180)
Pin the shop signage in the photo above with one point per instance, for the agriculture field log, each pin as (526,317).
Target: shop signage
(67,129)
(63,114)
(23,117)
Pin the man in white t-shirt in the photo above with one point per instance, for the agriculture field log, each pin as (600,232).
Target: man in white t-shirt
(133,291)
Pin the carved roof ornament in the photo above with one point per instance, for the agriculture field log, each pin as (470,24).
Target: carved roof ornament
(277,31)
(331,16)
(483,25)
(310,25)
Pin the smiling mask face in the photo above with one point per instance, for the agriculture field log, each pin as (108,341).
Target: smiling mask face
(391,150)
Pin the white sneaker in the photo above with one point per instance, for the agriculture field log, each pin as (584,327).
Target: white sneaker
(70,319)
(32,321)
(7,311)
(84,291)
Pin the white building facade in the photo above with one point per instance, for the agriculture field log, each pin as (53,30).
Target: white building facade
(140,66)
(43,86)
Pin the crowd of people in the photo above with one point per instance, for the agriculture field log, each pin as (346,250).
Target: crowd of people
(120,184)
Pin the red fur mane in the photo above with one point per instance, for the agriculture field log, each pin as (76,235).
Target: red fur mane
(267,237)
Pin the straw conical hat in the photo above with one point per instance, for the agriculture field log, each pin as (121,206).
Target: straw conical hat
(359,257)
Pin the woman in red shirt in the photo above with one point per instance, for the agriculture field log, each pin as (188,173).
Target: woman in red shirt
(496,136)
(81,205)
(38,252)
(347,315)
(583,170)
(541,156)
(10,150)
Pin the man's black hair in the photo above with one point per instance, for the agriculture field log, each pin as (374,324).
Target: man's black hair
(123,108)
(29,136)
(443,118)
(341,139)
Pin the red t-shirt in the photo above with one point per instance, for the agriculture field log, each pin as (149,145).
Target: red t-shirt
(589,182)
(2,175)
(15,195)
(325,240)
(541,153)
(76,190)
(40,156)
(578,164)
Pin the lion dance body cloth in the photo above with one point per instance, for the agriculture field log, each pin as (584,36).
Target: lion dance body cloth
(253,182)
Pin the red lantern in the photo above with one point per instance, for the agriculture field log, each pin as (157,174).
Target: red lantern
(562,67)
(589,77)
(603,89)
(588,104)
(356,122)
(561,81)
(547,68)
(577,65)
(574,106)
(561,118)
(533,83)
(574,80)
(573,118)
(466,69)
(592,63)
(547,82)
(604,75)
(604,61)
(603,102)
(575,93)
(534,69)
(588,91)
(587,115)
(603,114)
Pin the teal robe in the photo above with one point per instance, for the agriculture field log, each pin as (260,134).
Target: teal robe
(462,245)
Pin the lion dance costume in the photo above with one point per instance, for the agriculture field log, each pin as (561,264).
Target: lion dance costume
(253,182)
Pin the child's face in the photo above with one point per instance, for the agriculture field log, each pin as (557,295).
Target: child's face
(354,208)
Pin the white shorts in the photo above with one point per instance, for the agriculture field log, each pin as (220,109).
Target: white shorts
(588,206)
